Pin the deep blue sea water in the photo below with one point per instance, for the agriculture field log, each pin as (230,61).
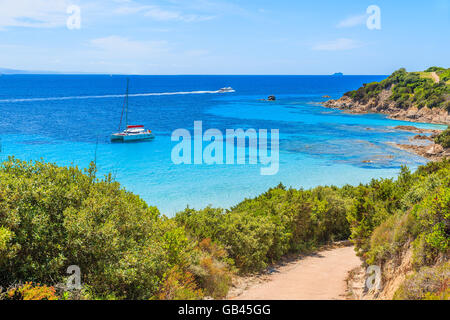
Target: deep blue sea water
(67,119)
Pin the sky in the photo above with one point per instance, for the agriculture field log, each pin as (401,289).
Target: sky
(224,36)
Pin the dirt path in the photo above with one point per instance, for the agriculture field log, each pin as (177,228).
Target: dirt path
(435,77)
(318,277)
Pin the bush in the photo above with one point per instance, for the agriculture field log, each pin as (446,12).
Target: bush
(426,284)
(29,291)
(386,214)
(433,217)
(444,75)
(52,217)
(373,204)
(409,89)
(388,240)
(434,69)
(260,231)
(213,269)
(444,138)
(178,285)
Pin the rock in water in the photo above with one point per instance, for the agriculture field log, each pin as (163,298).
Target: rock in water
(435,149)
(272,98)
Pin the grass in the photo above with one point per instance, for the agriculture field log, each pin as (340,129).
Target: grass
(425,75)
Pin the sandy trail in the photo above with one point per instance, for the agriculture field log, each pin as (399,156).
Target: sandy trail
(435,77)
(318,277)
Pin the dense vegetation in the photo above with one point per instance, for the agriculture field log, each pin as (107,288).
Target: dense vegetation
(444,138)
(444,74)
(414,209)
(410,89)
(52,217)
(260,231)
(412,213)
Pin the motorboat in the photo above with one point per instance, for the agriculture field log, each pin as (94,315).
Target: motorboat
(226,90)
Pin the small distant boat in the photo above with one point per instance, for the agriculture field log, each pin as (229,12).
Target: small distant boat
(225,90)
(132,132)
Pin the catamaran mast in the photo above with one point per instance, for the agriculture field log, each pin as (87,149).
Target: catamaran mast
(125,107)
(126,98)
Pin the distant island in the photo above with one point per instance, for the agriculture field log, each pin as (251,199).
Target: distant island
(338,74)
(411,96)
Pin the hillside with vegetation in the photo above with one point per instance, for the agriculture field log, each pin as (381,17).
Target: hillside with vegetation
(444,138)
(52,217)
(413,96)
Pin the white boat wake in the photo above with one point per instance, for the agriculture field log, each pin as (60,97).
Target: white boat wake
(113,96)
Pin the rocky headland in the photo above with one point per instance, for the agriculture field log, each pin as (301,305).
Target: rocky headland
(408,96)
(411,96)
(382,104)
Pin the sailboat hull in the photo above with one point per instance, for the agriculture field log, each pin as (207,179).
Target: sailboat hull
(132,137)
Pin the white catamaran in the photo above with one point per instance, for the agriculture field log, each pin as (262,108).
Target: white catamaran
(132,132)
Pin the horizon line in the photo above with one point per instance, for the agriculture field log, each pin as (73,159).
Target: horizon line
(43,73)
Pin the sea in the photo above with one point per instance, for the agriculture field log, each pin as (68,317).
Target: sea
(68,120)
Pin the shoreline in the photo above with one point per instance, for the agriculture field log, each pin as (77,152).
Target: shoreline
(422,145)
(424,115)
(431,151)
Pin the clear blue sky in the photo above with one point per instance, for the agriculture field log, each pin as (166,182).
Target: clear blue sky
(224,36)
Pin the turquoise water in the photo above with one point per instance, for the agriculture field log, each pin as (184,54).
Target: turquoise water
(68,119)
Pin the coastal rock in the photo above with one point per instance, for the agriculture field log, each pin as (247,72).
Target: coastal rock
(368,100)
(417,130)
(382,104)
(435,150)
(422,137)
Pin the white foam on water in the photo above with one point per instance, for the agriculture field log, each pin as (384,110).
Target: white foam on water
(111,96)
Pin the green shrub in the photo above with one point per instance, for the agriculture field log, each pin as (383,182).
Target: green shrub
(52,217)
(260,231)
(444,75)
(179,285)
(373,204)
(386,214)
(29,291)
(433,217)
(433,214)
(213,270)
(388,240)
(426,284)
(444,138)
(409,89)
(434,69)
